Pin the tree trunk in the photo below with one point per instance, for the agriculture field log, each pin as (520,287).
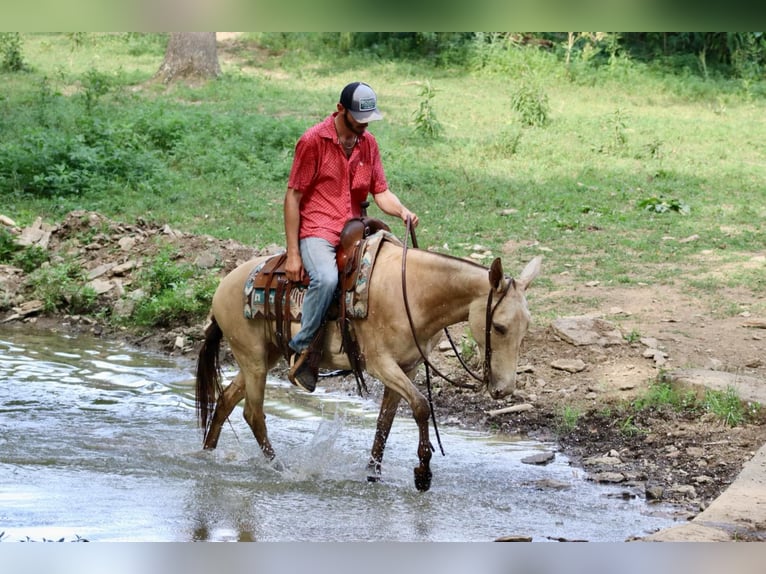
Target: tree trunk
(190,55)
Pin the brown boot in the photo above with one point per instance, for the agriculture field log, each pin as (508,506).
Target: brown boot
(301,374)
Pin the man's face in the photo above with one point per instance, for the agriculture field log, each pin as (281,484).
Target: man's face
(352,124)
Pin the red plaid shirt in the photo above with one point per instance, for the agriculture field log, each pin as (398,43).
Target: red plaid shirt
(331,185)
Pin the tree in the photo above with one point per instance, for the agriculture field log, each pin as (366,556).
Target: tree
(190,55)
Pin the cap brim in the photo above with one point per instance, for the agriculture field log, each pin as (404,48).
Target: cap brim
(366,117)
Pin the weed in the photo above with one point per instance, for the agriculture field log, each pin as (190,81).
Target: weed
(62,287)
(567,419)
(426,123)
(633,337)
(629,428)
(11,49)
(662,394)
(95,85)
(506,143)
(530,103)
(659,204)
(727,406)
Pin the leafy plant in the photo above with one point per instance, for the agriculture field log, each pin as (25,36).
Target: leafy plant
(658,204)
(173,292)
(11,49)
(567,419)
(727,406)
(633,337)
(62,287)
(629,428)
(662,394)
(426,123)
(95,85)
(530,102)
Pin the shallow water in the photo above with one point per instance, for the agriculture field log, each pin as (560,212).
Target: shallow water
(99,441)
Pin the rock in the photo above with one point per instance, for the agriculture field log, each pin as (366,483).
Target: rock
(100,286)
(124,268)
(602,461)
(580,331)
(38,234)
(654,492)
(127,243)
(100,270)
(684,490)
(539,459)
(29,307)
(610,477)
(569,365)
(206,260)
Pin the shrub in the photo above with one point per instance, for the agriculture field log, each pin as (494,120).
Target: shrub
(530,102)
(10,47)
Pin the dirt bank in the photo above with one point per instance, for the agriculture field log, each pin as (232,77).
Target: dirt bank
(574,394)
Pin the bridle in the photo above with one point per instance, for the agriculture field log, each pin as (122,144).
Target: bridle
(490,313)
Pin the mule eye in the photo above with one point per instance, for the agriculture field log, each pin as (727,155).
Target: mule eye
(500,329)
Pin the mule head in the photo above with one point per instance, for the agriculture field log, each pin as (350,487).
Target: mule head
(510,320)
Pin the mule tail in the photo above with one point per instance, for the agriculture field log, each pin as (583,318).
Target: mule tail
(208,386)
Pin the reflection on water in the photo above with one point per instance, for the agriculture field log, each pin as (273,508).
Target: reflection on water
(99,440)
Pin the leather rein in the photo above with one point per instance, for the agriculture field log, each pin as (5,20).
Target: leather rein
(487,334)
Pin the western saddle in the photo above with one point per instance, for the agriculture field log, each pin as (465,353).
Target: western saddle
(272,277)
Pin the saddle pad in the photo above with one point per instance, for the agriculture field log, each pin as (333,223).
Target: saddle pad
(357,298)
(255,297)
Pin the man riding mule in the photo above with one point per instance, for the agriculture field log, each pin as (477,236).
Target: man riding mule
(409,296)
(336,165)
(404,319)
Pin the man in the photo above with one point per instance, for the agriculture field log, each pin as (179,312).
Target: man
(336,165)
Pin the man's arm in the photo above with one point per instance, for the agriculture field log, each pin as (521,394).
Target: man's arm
(390,204)
(292,209)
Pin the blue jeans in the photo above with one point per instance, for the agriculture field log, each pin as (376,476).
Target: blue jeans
(318,257)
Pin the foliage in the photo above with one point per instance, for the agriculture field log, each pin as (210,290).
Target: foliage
(531,104)
(727,406)
(11,50)
(426,123)
(26,258)
(62,286)
(567,419)
(173,293)
(661,205)
(662,394)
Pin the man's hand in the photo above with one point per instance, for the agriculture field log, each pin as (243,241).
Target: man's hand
(294,267)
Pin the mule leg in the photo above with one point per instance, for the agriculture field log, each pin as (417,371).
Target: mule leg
(255,387)
(231,396)
(395,379)
(388,407)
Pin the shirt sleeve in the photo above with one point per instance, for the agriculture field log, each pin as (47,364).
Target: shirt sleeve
(304,165)
(379,183)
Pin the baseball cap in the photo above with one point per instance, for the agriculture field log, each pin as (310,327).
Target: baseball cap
(360,100)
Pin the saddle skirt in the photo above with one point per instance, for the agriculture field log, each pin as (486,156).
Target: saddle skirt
(262,296)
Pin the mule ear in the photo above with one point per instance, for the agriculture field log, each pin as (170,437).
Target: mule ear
(531,271)
(496,273)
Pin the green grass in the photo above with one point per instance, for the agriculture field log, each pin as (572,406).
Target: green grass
(604,170)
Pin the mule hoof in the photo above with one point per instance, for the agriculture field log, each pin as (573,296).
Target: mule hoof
(373,472)
(422,479)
